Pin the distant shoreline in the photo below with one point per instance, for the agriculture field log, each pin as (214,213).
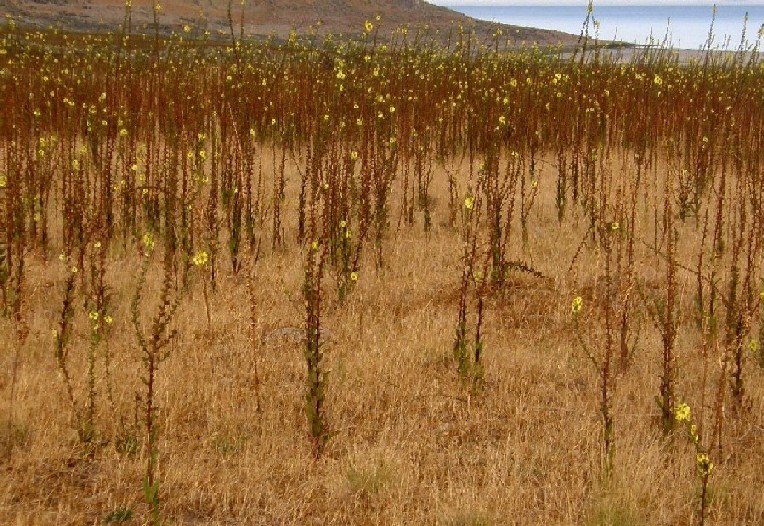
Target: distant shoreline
(686,26)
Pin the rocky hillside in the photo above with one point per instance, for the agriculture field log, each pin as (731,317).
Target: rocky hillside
(266,17)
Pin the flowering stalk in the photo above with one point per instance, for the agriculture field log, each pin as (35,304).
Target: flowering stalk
(704,466)
(200,261)
(468,257)
(152,349)
(314,356)
(603,366)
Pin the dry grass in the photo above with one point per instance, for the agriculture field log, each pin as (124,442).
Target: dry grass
(414,443)
(596,259)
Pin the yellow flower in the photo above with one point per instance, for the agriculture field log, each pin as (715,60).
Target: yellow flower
(503,120)
(705,466)
(614,226)
(3,181)
(108,319)
(93,315)
(200,259)
(469,202)
(354,276)
(577,305)
(314,245)
(354,155)
(368,26)
(148,241)
(683,413)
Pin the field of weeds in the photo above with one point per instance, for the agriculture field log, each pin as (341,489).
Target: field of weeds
(378,283)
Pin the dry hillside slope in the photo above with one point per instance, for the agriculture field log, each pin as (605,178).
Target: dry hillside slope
(267,17)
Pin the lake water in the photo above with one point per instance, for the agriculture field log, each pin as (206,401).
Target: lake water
(686,26)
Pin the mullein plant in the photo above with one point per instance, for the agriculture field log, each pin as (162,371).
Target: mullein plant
(99,322)
(154,350)
(668,321)
(604,367)
(315,396)
(741,301)
(253,322)
(704,467)
(347,260)
(17,311)
(201,260)
(469,363)
(13,246)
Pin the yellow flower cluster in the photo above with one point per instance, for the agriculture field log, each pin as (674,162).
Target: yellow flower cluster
(705,466)
(683,413)
(200,259)
(148,241)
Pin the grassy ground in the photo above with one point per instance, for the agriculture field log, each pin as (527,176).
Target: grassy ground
(413,442)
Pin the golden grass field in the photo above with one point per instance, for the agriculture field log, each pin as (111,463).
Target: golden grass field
(414,443)
(537,278)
